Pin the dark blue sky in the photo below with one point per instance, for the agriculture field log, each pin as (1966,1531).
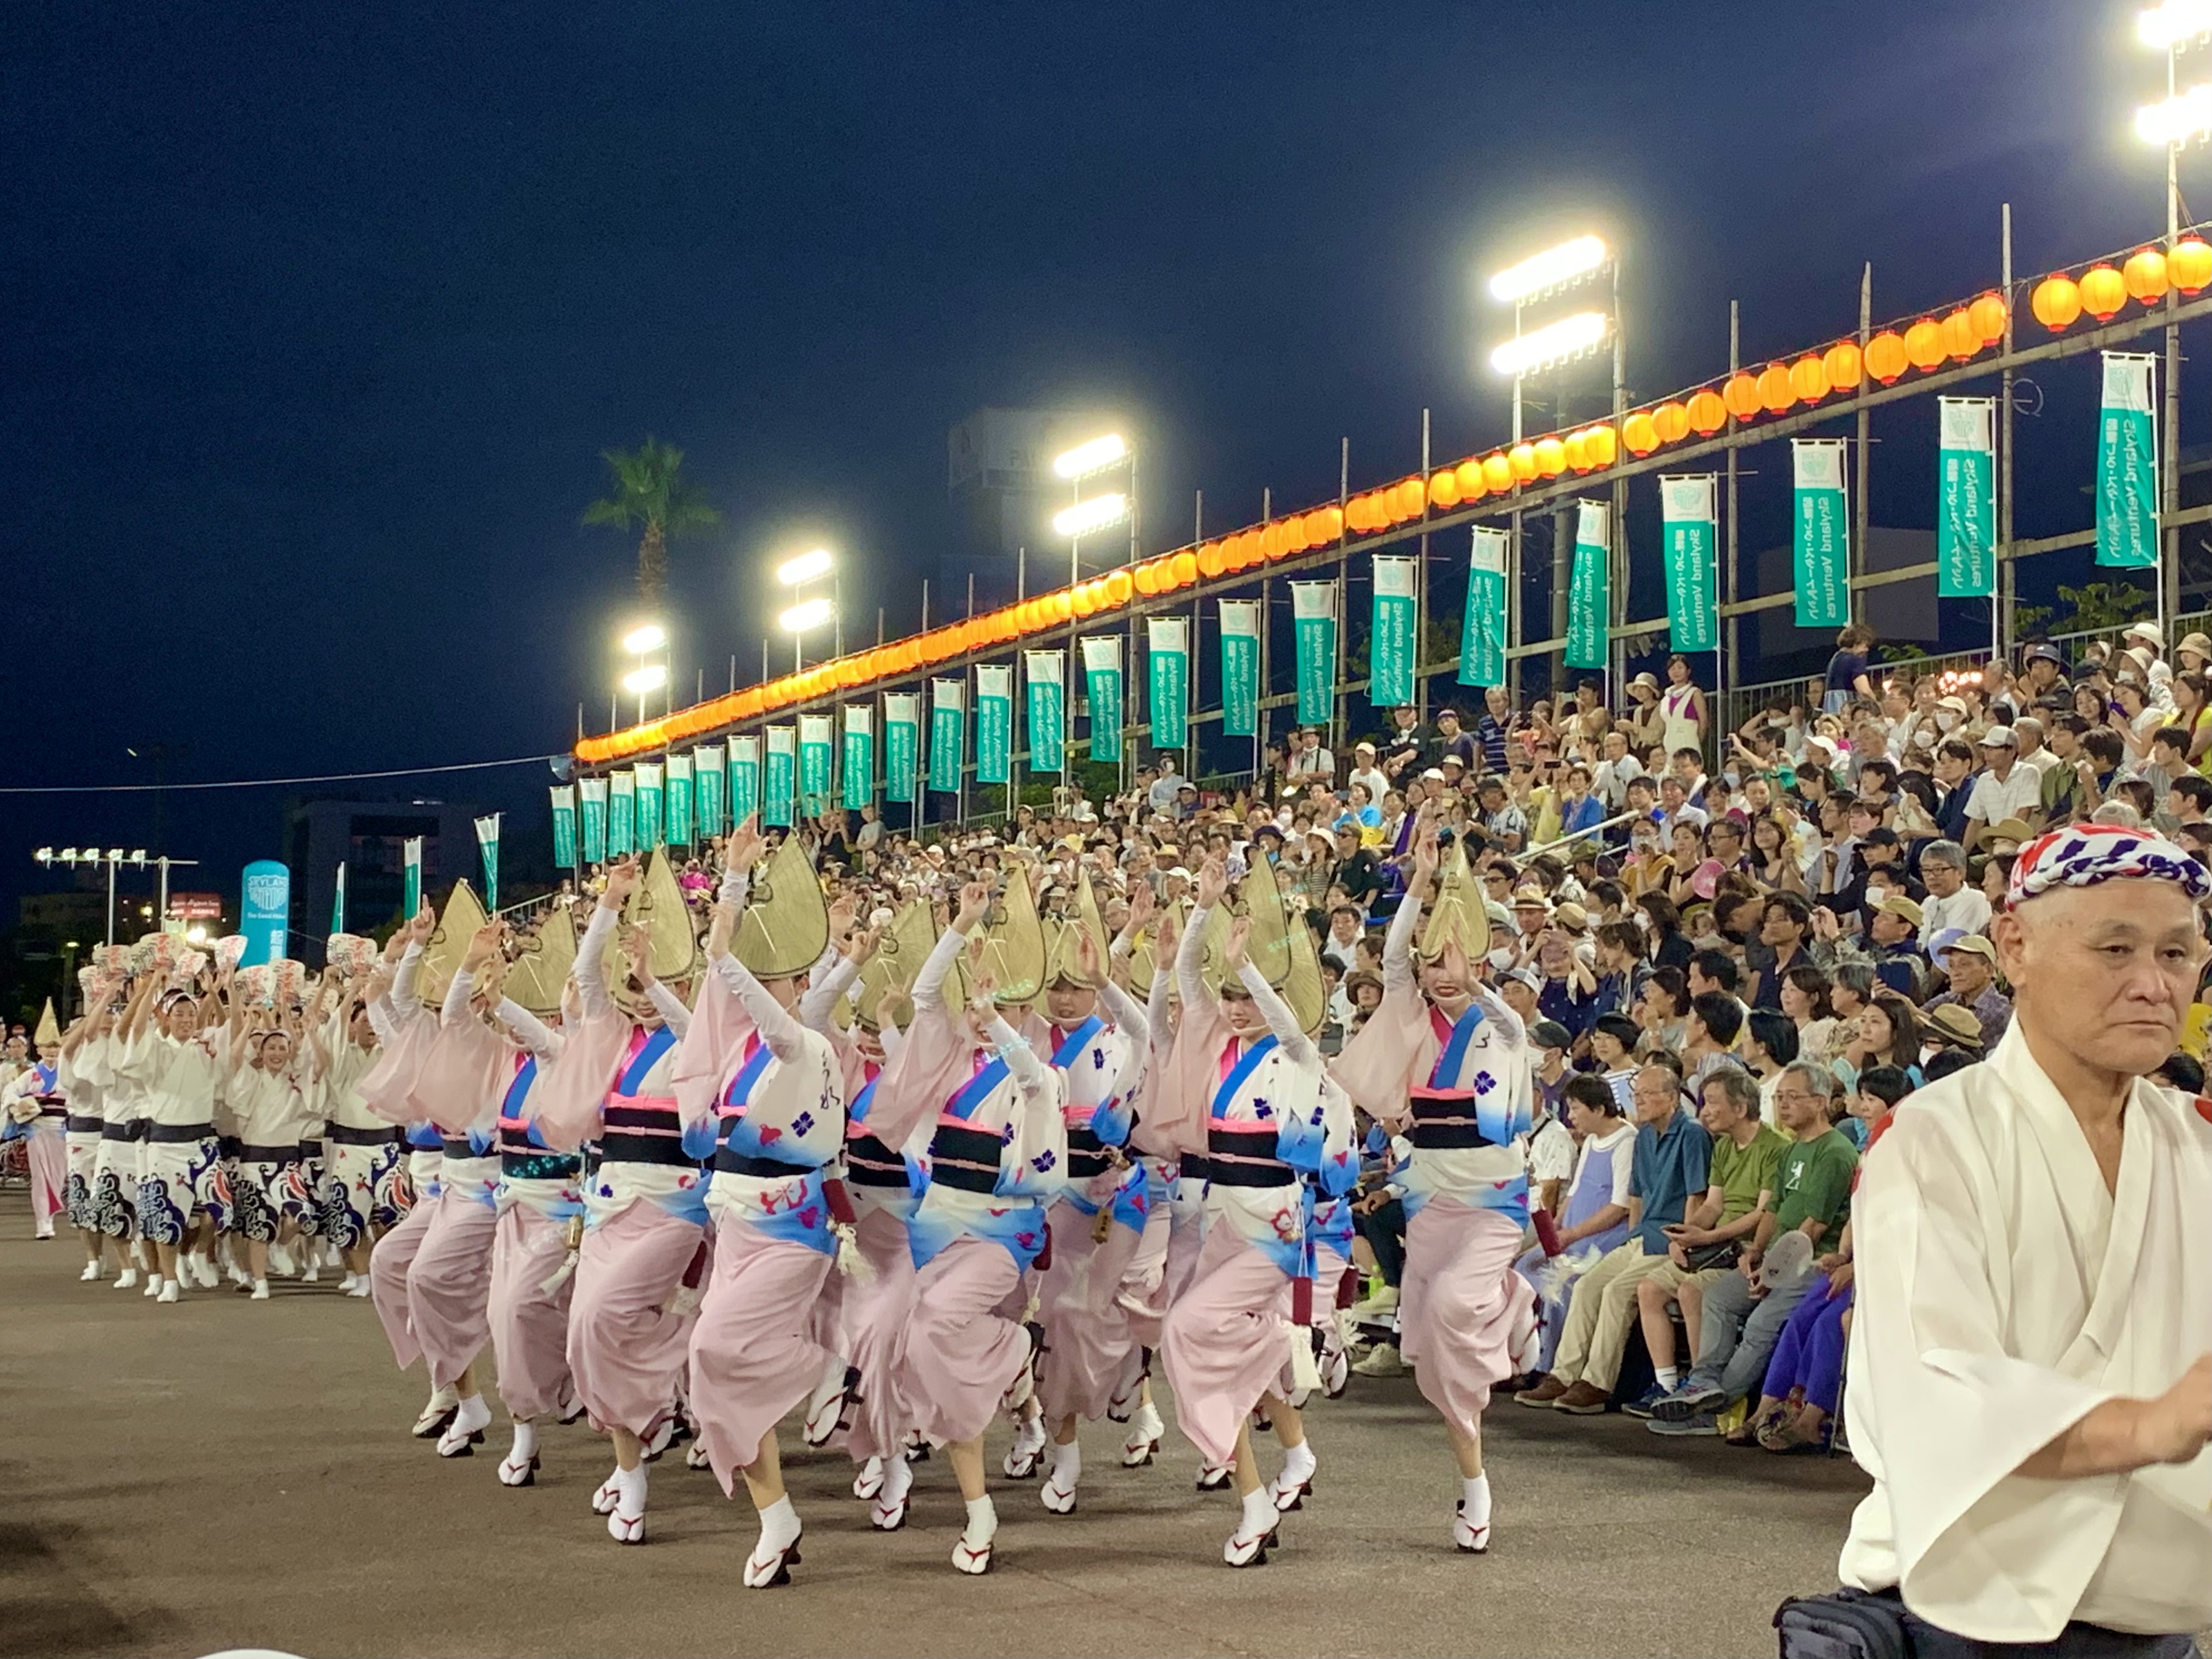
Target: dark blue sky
(316,324)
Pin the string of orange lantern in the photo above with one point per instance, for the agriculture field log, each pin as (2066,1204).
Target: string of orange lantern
(2098,289)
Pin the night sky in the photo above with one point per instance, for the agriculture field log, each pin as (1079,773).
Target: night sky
(316,324)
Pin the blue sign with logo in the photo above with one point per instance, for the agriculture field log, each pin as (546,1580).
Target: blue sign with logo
(267,912)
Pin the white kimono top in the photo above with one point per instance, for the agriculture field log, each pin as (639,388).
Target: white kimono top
(2002,1295)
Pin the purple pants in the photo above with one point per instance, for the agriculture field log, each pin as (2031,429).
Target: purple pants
(1810,1355)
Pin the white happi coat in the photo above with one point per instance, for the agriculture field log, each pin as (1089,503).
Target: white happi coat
(2004,1294)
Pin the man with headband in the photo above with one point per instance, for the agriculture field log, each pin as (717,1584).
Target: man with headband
(2030,1384)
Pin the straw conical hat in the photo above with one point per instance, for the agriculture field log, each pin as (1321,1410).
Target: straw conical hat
(1013,952)
(50,1031)
(449,943)
(1457,913)
(785,927)
(1301,986)
(542,963)
(660,901)
(1063,957)
(898,958)
(1143,961)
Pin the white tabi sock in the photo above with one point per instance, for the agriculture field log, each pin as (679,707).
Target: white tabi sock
(472,1416)
(629,1489)
(779,1524)
(1260,1516)
(982,1522)
(1667,1377)
(1068,1465)
(898,1480)
(526,1444)
(1298,1463)
(1475,1501)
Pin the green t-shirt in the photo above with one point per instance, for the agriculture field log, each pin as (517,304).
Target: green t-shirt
(1742,1173)
(1814,1182)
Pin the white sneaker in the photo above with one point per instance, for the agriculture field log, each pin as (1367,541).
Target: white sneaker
(90,1274)
(1381,1360)
(1384,1301)
(260,1291)
(168,1292)
(155,1285)
(347,1284)
(127,1279)
(312,1276)
(359,1287)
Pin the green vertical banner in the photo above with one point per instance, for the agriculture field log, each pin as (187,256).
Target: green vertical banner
(1167,675)
(711,789)
(814,781)
(622,815)
(744,778)
(780,777)
(1045,673)
(1482,635)
(1823,542)
(679,799)
(564,827)
(338,902)
(2127,465)
(410,876)
(948,734)
(859,756)
(902,745)
(591,804)
(994,722)
(651,795)
(487,844)
(1967,498)
(1390,642)
(1589,600)
(1102,680)
(1688,525)
(1313,622)
(1240,667)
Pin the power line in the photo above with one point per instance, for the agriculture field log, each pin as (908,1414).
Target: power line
(263,783)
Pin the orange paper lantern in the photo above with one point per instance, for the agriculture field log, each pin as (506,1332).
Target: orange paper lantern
(1084,604)
(1063,605)
(1317,528)
(1355,515)
(1146,583)
(1961,340)
(1285,544)
(1185,566)
(1706,411)
(1808,378)
(1774,389)
(1521,458)
(1576,446)
(2104,291)
(1551,457)
(1841,362)
(1604,446)
(1924,344)
(1741,394)
(1885,356)
(1498,472)
(1209,560)
(1990,315)
(1671,421)
(1472,487)
(2056,302)
(2189,265)
(1640,432)
(1119,585)
(1413,497)
(2145,276)
(1444,488)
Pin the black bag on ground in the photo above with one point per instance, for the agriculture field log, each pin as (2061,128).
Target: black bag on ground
(1851,1623)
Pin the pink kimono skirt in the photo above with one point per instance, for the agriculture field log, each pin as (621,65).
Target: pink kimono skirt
(627,1340)
(753,1353)
(449,1286)
(960,1352)
(1458,1301)
(1086,1328)
(1227,1341)
(530,1326)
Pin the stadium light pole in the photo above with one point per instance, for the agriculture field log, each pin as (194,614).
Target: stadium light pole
(798,572)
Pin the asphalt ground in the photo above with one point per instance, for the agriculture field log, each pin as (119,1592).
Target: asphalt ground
(230,1474)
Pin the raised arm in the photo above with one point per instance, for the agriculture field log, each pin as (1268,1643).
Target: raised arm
(531,1032)
(1280,1020)
(591,969)
(929,983)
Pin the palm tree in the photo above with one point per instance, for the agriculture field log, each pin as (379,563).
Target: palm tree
(650,489)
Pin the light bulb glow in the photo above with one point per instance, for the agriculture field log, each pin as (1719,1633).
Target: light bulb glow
(646,637)
(806,616)
(2178,119)
(2174,23)
(1096,456)
(806,567)
(650,678)
(1554,267)
(1555,343)
(1095,513)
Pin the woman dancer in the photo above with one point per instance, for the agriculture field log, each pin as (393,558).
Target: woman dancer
(1449,1059)
(182,1200)
(265,1100)
(1244,1067)
(778,1100)
(359,1204)
(995,1159)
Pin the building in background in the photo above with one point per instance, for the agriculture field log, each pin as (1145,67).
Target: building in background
(367,836)
(1003,494)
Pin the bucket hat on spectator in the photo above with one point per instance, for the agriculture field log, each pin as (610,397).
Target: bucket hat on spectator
(1955,1024)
